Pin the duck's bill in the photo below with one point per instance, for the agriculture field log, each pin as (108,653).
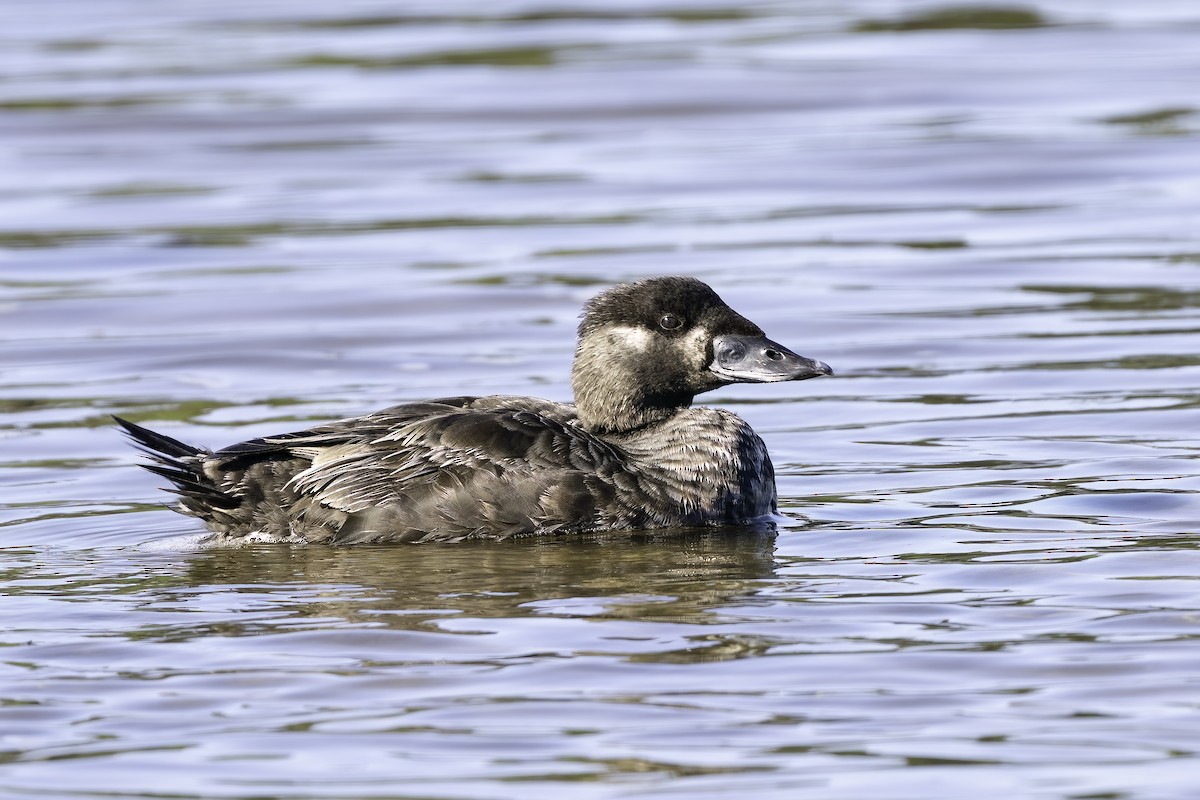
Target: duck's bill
(757,359)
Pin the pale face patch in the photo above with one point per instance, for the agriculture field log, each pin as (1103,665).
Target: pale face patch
(630,337)
(695,347)
(691,349)
(697,339)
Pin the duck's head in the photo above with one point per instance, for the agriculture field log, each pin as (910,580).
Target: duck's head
(646,349)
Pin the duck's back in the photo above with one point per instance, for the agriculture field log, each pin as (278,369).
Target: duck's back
(441,470)
(469,467)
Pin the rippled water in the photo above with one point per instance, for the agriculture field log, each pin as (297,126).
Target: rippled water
(226,218)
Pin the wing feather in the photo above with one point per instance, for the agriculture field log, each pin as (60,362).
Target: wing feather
(450,469)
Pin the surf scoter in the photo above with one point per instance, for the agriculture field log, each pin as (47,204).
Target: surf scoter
(630,453)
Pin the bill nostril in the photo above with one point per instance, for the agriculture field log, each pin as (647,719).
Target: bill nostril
(773,355)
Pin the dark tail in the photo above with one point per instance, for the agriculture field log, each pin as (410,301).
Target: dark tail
(181,464)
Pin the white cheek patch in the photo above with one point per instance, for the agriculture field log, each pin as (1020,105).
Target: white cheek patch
(697,339)
(630,337)
(695,346)
(691,349)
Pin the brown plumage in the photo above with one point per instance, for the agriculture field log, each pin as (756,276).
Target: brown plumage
(630,453)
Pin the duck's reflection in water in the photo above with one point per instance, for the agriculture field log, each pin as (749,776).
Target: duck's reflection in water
(680,575)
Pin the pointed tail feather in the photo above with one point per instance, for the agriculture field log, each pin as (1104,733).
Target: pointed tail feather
(156,445)
(181,464)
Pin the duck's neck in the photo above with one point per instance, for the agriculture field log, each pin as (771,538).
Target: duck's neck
(614,397)
(601,411)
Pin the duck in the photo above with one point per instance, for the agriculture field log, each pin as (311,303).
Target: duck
(631,453)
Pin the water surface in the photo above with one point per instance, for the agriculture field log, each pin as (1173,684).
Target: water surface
(230,219)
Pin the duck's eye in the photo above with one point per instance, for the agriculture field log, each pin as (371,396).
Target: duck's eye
(670,322)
